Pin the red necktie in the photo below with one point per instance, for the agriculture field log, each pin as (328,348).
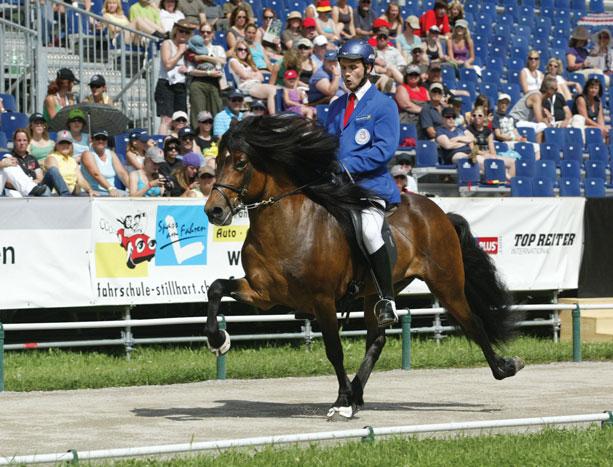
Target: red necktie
(349,109)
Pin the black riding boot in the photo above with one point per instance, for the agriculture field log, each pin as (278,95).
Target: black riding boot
(385,308)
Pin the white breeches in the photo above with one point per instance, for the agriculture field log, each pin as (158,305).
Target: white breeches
(372,222)
(20,181)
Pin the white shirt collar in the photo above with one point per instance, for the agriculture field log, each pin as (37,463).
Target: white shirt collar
(362,91)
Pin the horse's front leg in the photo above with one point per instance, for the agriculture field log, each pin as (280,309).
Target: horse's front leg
(239,289)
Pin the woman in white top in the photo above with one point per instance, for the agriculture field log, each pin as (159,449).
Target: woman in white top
(169,14)
(530,78)
(248,78)
(554,68)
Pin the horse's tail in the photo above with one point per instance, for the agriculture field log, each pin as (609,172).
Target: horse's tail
(487,295)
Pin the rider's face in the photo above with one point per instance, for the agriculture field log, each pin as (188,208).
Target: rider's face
(352,72)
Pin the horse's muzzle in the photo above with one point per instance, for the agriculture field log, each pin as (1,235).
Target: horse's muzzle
(218,215)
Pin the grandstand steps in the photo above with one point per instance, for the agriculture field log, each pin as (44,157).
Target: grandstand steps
(596,325)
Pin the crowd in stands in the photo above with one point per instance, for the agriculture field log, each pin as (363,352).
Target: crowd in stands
(221,62)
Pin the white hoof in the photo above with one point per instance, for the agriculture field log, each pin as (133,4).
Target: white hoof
(336,414)
(224,347)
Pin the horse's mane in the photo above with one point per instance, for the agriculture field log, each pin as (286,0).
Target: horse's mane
(305,152)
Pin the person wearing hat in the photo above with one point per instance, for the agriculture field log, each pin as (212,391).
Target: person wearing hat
(101,167)
(179,121)
(40,144)
(324,23)
(378,24)
(149,182)
(293,97)
(320,47)
(342,14)
(411,96)
(460,47)
(307,65)
(138,143)
(437,16)
(145,17)
(171,90)
(325,85)
(59,93)
(404,182)
(430,117)
(257,108)
(232,111)
(206,74)
(187,141)
(185,178)
(503,124)
(62,160)
(419,57)
(366,122)
(77,120)
(204,131)
(389,62)
(292,32)
(363,19)
(454,142)
(97,85)
(206,178)
(601,54)
(409,37)
(433,46)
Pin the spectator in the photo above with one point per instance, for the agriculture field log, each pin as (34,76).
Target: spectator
(342,14)
(293,97)
(554,68)
(434,75)
(528,111)
(239,19)
(169,14)
(59,93)
(437,16)
(455,12)
(558,111)
(420,58)
(101,167)
(148,181)
(363,18)
(170,91)
(249,79)
(206,179)
(389,63)
(430,118)
(256,49)
(409,38)
(456,104)
(29,164)
(600,54)
(112,11)
(377,24)
(2,109)
(171,161)
(204,135)
(392,16)
(185,178)
(577,54)
(309,29)
(454,142)
(146,18)
(179,121)
(292,29)
(187,142)
(326,85)
(138,144)
(80,138)
(194,11)
(404,182)
(97,85)
(320,47)
(232,111)
(307,65)
(324,24)
(481,101)
(214,14)
(230,7)
(588,108)
(434,46)
(62,160)
(291,61)
(257,109)
(411,96)
(22,185)
(40,144)
(206,77)
(268,35)
(530,77)
(460,47)
(504,125)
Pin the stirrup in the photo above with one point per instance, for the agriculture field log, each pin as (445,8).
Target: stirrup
(385,310)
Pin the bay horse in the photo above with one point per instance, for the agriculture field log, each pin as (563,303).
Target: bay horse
(300,249)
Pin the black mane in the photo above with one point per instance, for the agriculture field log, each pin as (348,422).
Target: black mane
(306,152)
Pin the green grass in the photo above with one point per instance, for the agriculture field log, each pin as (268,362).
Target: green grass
(57,369)
(550,447)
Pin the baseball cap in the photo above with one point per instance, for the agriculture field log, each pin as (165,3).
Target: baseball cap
(448,112)
(206,170)
(66,73)
(63,135)
(461,23)
(97,134)
(436,86)
(37,117)
(179,114)
(413,21)
(155,154)
(76,114)
(186,132)
(171,140)
(383,30)
(294,15)
(204,115)
(503,96)
(304,42)
(97,80)
(397,171)
(413,70)
(331,56)
(380,23)
(308,23)
(192,159)
(140,135)
(236,94)
(258,104)
(290,74)
(434,28)
(320,41)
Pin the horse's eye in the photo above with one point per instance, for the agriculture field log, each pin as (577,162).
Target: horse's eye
(240,164)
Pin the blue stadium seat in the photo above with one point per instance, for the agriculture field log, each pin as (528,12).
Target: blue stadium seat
(500,146)
(526,150)
(542,186)
(594,188)
(159,140)
(595,169)
(528,133)
(426,154)
(555,136)
(577,78)
(11,121)
(3,140)
(570,186)
(8,102)
(470,87)
(570,169)
(468,173)
(596,6)
(572,152)
(574,136)
(598,152)
(494,172)
(469,75)
(599,77)
(121,145)
(279,100)
(593,136)
(545,169)
(521,186)
(322,113)
(407,130)
(525,167)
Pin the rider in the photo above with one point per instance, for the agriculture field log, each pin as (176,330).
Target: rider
(367,124)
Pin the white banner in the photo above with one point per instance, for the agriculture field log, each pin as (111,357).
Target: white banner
(80,252)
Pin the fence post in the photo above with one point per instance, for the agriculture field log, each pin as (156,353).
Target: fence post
(126,334)
(1,357)
(221,360)
(577,333)
(406,341)
(308,338)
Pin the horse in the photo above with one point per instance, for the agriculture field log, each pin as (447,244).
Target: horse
(300,249)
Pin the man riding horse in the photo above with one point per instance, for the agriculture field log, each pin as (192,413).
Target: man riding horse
(367,124)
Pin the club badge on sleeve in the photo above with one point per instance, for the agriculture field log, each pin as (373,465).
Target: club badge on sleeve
(362,136)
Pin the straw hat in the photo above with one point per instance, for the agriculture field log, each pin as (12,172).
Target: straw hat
(580,34)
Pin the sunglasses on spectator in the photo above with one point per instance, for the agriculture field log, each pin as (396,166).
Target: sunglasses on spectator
(382,36)
(205,31)
(269,17)
(206,121)
(241,49)
(181,120)
(555,65)
(303,47)
(172,148)
(417,51)
(184,31)
(101,138)
(478,115)
(533,58)
(450,116)
(236,99)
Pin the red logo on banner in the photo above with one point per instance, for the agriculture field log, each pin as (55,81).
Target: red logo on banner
(489,244)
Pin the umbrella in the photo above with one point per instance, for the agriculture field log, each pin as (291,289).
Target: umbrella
(98,117)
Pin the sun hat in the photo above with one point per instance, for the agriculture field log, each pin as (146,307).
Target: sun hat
(206,170)
(331,56)
(437,86)
(155,154)
(448,112)
(580,34)
(185,132)
(323,6)
(204,115)
(461,23)
(98,133)
(97,80)
(294,15)
(380,23)
(66,73)
(413,70)
(37,117)
(140,135)
(192,159)
(412,21)
(196,44)
(258,104)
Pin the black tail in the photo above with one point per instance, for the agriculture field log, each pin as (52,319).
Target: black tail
(487,295)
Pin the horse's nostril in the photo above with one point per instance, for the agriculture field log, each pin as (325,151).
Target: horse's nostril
(216,212)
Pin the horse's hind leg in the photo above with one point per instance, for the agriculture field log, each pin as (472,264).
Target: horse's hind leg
(375,341)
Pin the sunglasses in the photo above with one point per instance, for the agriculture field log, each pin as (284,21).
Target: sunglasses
(172,148)
(241,49)
(303,47)
(269,17)
(184,31)
(478,116)
(449,116)
(206,32)
(236,99)
(206,121)
(181,120)
(533,58)
(382,36)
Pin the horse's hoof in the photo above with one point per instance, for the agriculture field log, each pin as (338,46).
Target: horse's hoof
(344,414)
(518,363)
(223,348)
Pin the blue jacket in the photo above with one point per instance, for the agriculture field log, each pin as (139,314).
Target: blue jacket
(369,140)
